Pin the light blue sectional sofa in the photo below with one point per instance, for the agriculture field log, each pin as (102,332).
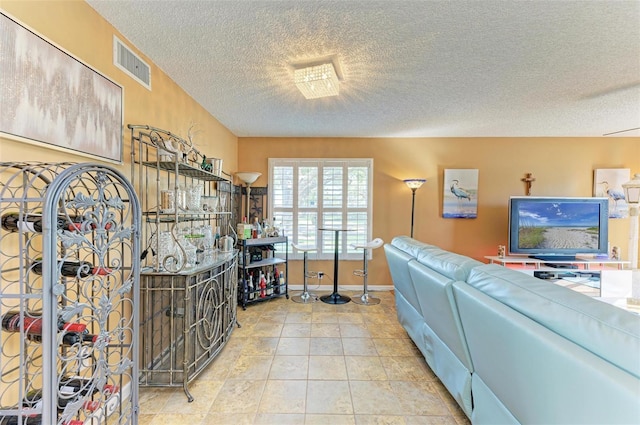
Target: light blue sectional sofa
(513,349)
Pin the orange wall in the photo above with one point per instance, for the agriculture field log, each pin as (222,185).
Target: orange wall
(562,167)
(77,28)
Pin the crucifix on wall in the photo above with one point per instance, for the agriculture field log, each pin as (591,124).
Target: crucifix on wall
(528,180)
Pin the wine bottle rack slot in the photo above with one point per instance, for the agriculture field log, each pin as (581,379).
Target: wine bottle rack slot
(69,267)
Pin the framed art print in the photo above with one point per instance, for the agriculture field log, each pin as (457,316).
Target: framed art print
(607,183)
(50,98)
(460,199)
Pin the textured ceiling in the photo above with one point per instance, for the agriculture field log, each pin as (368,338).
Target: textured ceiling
(409,68)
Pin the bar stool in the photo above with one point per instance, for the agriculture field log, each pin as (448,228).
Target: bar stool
(305,297)
(365,299)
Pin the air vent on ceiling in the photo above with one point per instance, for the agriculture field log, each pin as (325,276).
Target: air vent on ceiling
(131,63)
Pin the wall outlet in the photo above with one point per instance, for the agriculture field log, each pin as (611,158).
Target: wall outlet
(320,275)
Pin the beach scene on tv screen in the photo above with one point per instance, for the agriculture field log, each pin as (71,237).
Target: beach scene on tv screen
(558,225)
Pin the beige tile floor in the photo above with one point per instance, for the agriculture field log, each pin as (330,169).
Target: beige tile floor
(293,363)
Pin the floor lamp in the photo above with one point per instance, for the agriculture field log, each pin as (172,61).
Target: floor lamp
(248,178)
(414,184)
(632,196)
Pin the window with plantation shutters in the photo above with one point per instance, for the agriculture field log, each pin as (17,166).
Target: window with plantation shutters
(307,194)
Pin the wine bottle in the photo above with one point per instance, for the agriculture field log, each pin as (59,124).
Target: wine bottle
(74,269)
(276,283)
(69,338)
(109,390)
(27,419)
(11,222)
(91,405)
(33,400)
(33,324)
(252,288)
(269,284)
(257,229)
(263,286)
(31,419)
(76,386)
(245,290)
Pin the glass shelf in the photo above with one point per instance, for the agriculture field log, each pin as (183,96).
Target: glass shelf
(185,169)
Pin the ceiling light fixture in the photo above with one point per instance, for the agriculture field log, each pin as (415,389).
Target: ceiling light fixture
(317,81)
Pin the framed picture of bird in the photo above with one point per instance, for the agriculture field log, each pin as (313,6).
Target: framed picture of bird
(607,183)
(460,198)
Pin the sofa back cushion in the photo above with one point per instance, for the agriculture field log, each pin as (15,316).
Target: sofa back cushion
(453,266)
(536,374)
(603,329)
(411,246)
(398,261)
(434,292)
(402,250)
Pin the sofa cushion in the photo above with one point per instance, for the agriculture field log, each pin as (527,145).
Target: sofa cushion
(398,261)
(411,246)
(439,309)
(536,374)
(453,266)
(603,329)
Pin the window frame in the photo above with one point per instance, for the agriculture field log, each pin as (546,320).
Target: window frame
(324,239)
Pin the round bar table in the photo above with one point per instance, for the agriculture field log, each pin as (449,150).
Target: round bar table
(335,297)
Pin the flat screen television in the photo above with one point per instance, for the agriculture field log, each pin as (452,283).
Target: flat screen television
(558,228)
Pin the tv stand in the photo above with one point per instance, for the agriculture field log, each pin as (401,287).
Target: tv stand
(583,262)
(601,277)
(554,258)
(560,265)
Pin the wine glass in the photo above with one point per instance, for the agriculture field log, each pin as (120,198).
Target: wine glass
(222,199)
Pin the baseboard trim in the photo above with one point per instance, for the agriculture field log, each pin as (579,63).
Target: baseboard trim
(329,288)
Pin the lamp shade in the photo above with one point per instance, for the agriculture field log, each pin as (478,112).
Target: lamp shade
(248,176)
(414,184)
(632,190)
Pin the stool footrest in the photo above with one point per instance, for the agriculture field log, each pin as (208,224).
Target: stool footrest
(360,273)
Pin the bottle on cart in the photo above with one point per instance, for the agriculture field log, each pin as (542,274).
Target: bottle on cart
(257,229)
(263,286)
(33,325)
(269,284)
(252,288)
(276,284)
(74,269)
(245,290)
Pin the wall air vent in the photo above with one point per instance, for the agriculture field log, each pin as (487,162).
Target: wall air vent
(131,63)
